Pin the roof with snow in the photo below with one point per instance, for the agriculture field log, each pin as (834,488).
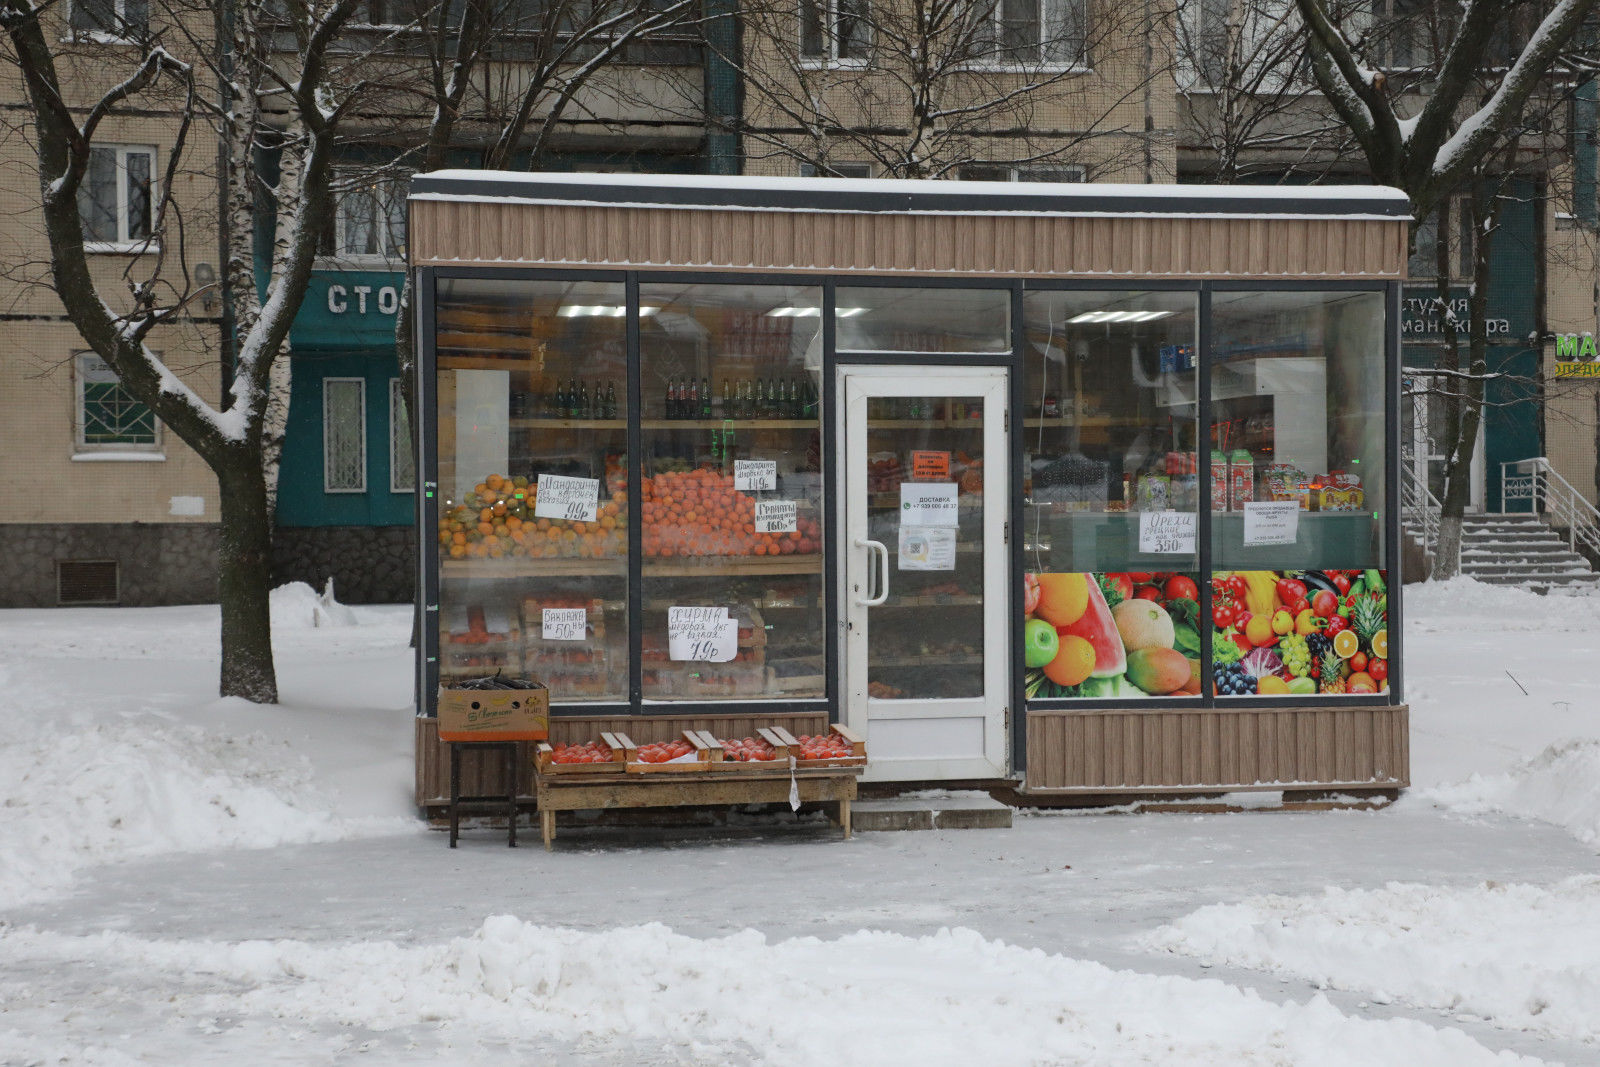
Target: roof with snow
(901,195)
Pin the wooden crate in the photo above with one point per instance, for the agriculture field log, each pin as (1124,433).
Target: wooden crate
(701,750)
(546,761)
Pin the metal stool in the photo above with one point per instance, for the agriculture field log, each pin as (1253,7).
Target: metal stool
(513,754)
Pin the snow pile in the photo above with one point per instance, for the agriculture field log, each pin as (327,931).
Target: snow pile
(1560,785)
(1520,956)
(1468,604)
(141,785)
(297,604)
(949,998)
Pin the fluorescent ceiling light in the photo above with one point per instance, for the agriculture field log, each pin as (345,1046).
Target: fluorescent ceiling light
(795,313)
(1118,316)
(614,311)
(849,313)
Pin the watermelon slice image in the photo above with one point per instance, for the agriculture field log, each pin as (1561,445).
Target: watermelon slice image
(1100,630)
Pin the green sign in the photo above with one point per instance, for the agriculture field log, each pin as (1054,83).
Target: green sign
(349,308)
(1575,346)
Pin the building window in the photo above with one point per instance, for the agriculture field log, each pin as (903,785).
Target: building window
(1402,34)
(999,172)
(344,435)
(833,30)
(402,462)
(370,219)
(1029,32)
(836,170)
(116,195)
(122,19)
(109,418)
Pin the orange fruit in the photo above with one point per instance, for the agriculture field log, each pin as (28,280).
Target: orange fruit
(1063,598)
(1380,644)
(1073,663)
(1347,644)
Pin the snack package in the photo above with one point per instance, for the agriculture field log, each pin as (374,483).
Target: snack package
(1241,479)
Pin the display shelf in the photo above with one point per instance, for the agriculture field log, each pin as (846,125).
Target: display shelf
(568,424)
(930,661)
(1068,421)
(525,567)
(478,648)
(734,424)
(732,566)
(511,361)
(925,424)
(940,600)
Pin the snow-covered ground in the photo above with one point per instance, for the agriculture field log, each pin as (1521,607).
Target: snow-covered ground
(184,880)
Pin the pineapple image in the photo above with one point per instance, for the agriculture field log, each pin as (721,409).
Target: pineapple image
(1332,669)
(1367,620)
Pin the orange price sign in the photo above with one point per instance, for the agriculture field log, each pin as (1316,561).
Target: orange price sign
(930,466)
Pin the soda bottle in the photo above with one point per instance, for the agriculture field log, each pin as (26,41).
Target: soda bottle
(611,400)
(583,411)
(705,399)
(672,397)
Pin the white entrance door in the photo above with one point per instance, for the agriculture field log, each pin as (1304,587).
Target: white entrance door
(927,663)
(1426,449)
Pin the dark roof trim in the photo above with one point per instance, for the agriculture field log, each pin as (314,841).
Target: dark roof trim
(885,195)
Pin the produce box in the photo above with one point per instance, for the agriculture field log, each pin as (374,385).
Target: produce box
(763,749)
(689,753)
(494,714)
(839,747)
(605,756)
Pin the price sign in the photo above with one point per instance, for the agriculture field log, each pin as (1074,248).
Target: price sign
(755,475)
(573,499)
(930,466)
(1271,522)
(928,504)
(1169,532)
(564,624)
(776,516)
(701,635)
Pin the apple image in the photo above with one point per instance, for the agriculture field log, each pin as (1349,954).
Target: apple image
(1040,643)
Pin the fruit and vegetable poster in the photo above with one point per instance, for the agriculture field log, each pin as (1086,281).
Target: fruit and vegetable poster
(1300,633)
(1099,635)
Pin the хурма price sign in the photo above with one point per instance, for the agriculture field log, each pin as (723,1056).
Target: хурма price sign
(573,499)
(564,624)
(776,516)
(1168,532)
(701,635)
(755,475)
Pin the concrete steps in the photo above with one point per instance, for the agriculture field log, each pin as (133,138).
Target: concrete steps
(1521,550)
(958,811)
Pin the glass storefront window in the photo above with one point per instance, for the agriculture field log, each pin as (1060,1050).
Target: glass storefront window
(874,319)
(533,519)
(732,494)
(1111,485)
(1299,496)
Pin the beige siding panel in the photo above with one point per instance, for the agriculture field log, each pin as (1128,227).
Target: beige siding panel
(1133,750)
(473,233)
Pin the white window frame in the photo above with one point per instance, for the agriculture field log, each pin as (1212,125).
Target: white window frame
(1021,174)
(398,447)
(104,450)
(830,56)
(388,256)
(850,169)
(997,62)
(123,242)
(361,393)
(120,7)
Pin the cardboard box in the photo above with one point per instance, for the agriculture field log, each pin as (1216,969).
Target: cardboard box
(494,714)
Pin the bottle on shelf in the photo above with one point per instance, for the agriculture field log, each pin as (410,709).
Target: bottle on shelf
(747,402)
(705,398)
(611,400)
(727,398)
(552,401)
(670,401)
(572,398)
(584,411)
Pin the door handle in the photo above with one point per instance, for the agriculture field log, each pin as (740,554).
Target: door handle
(883,586)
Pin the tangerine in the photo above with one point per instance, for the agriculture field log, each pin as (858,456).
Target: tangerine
(1073,663)
(1063,598)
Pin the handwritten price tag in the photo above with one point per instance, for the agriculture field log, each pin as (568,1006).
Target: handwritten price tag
(776,516)
(701,635)
(564,624)
(755,475)
(573,499)
(1167,532)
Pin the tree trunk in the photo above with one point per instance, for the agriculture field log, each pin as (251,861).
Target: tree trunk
(244,578)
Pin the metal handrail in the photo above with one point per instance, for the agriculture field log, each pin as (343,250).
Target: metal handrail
(1420,506)
(1537,482)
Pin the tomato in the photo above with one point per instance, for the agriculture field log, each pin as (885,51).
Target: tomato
(1147,592)
(1378,669)
(1324,604)
(1341,582)
(1139,576)
(1223,615)
(1290,590)
(1300,604)
(1122,584)
(1181,588)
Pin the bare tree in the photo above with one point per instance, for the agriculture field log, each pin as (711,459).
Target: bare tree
(288,89)
(1438,100)
(938,88)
